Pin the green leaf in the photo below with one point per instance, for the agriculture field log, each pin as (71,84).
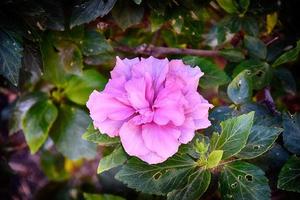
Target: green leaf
(261,139)
(116,158)
(53,166)
(79,87)
(23,104)
(127,14)
(157,179)
(289,176)
(240,88)
(213,75)
(291,133)
(288,56)
(214,158)
(37,123)
(287,80)
(88,196)
(256,47)
(94,43)
(10,56)
(67,130)
(198,183)
(93,135)
(232,55)
(234,135)
(88,10)
(241,180)
(229,6)
(250,26)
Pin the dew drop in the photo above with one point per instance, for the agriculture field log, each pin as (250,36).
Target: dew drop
(234,185)
(249,177)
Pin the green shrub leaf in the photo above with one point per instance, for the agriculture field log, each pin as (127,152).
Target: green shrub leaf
(93,135)
(288,56)
(291,133)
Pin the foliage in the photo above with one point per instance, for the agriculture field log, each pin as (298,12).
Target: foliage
(53,54)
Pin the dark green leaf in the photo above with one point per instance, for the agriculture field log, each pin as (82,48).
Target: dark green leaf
(289,176)
(256,47)
(116,158)
(126,14)
(10,56)
(53,166)
(291,133)
(250,26)
(241,180)
(37,123)
(287,80)
(88,10)
(288,56)
(79,87)
(66,133)
(93,135)
(240,88)
(88,196)
(234,135)
(260,140)
(232,55)
(213,75)
(94,43)
(157,179)
(198,183)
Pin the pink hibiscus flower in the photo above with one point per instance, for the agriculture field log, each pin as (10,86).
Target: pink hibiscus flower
(152,104)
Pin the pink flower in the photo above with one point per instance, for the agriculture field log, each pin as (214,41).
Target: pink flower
(152,104)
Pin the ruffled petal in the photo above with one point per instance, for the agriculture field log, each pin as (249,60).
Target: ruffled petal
(136,91)
(123,67)
(109,127)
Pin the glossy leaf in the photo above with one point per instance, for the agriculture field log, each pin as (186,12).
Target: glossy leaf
(198,183)
(37,123)
(288,56)
(10,56)
(291,133)
(66,133)
(88,10)
(213,75)
(289,176)
(241,180)
(157,179)
(84,85)
(93,135)
(229,6)
(256,47)
(232,55)
(116,158)
(234,135)
(240,88)
(214,158)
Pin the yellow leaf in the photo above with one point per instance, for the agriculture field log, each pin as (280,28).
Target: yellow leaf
(271,21)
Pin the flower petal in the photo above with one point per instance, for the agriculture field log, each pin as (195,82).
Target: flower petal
(136,91)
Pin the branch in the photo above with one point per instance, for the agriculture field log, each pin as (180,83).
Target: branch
(145,49)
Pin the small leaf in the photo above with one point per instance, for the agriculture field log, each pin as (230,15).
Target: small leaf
(271,21)
(289,176)
(84,85)
(10,56)
(229,6)
(198,183)
(234,135)
(241,180)
(213,75)
(255,47)
(288,56)
(88,196)
(232,55)
(88,10)
(93,135)
(116,158)
(94,43)
(250,26)
(157,179)
(127,14)
(214,158)
(66,133)
(37,123)
(240,88)
(291,133)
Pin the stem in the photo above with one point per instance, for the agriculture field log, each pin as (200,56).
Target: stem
(145,49)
